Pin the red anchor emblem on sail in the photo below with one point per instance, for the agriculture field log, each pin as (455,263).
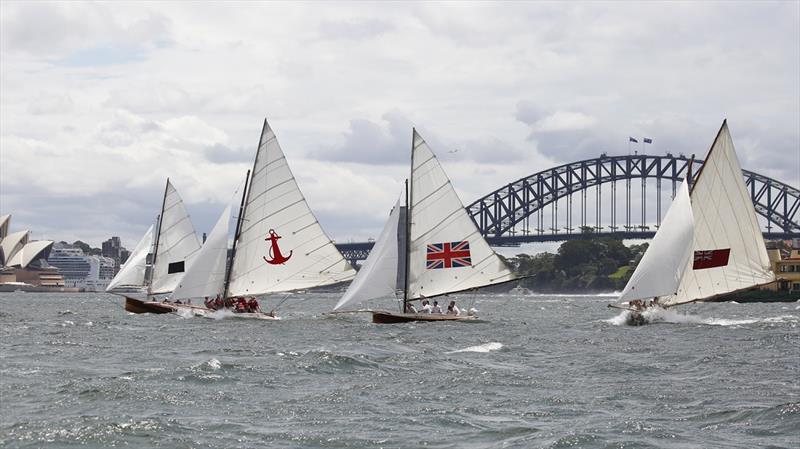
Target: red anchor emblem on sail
(274,251)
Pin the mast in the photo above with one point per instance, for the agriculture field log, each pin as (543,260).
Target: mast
(407,246)
(158,236)
(239,221)
(708,156)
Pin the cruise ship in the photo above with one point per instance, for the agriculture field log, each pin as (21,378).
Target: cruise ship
(88,273)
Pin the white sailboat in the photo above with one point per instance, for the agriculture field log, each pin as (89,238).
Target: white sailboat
(726,251)
(445,252)
(175,245)
(131,276)
(278,246)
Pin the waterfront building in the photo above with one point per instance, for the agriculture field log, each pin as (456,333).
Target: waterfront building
(23,262)
(786,265)
(87,272)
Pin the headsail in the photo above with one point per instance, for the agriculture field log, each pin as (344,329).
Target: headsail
(447,253)
(729,250)
(660,271)
(177,243)
(281,245)
(133,270)
(378,276)
(206,274)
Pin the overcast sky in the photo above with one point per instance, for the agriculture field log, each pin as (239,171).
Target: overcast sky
(101,102)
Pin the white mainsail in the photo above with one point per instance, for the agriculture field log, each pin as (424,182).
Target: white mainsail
(660,271)
(281,245)
(729,250)
(378,275)
(206,274)
(177,243)
(133,270)
(443,233)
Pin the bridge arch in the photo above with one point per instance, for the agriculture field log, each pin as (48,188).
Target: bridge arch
(498,213)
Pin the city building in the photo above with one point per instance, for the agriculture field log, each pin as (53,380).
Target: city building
(113,249)
(82,271)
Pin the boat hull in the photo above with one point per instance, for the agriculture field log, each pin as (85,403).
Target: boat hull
(380,317)
(134,305)
(636,319)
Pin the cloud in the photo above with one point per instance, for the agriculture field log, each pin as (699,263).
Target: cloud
(368,142)
(355,29)
(81,34)
(101,102)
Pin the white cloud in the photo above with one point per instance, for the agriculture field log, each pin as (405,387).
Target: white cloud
(100,102)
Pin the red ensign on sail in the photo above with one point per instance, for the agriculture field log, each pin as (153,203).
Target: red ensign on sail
(711,258)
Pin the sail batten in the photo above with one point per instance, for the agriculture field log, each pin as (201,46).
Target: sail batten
(281,245)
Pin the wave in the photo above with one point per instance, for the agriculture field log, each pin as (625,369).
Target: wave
(486,347)
(659,315)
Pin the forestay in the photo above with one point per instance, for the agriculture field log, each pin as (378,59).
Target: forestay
(281,246)
(378,275)
(660,271)
(206,275)
(133,270)
(177,243)
(729,250)
(447,252)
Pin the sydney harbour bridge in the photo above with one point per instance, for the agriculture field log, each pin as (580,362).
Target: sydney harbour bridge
(624,197)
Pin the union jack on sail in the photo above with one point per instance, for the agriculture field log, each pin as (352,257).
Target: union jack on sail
(448,255)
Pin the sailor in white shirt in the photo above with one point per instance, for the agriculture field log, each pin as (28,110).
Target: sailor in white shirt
(426,307)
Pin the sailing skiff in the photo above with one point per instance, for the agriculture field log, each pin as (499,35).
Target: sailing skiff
(174,244)
(427,249)
(710,243)
(278,245)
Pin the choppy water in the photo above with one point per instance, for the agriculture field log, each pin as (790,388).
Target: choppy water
(542,371)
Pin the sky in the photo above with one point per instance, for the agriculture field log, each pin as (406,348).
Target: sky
(101,102)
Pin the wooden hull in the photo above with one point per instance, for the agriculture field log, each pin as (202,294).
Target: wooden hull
(134,305)
(392,318)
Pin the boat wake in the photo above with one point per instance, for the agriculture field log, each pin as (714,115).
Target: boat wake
(659,315)
(486,347)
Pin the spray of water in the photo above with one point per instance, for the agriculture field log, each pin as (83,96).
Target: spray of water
(486,347)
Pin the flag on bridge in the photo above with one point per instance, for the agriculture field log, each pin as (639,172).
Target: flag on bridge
(448,255)
(647,140)
(711,258)
(631,139)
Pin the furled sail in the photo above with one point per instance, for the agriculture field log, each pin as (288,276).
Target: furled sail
(206,274)
(660,271)
(447,253)
(133,270)
(378,275)
(281,246)
(729,253)
(177,243)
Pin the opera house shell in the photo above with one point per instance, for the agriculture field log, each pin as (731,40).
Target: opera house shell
(23,264)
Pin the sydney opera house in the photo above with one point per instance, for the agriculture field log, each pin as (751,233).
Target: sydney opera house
(23,264)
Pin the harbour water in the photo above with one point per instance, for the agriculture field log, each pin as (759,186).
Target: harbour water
(76,370)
